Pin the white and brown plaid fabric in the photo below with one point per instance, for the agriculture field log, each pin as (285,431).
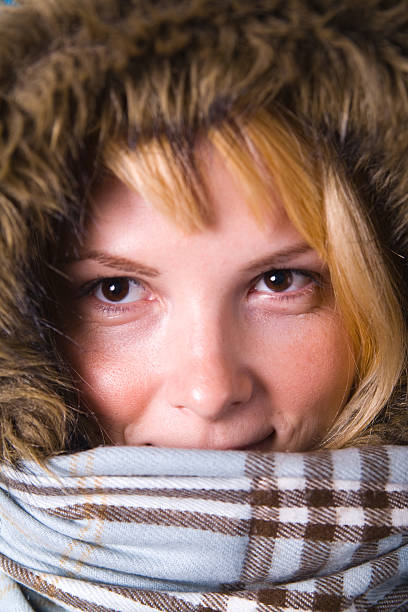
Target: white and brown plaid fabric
(124,529)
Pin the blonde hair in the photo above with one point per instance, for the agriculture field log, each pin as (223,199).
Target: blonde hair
(267,155)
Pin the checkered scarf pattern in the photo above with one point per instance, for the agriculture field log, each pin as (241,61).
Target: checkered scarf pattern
(150,529)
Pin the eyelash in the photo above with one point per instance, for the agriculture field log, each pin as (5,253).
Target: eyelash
(316,282)
(285,296)
(90,288)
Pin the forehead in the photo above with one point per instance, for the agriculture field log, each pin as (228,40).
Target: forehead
(120,213)
(128,234)
(269,166)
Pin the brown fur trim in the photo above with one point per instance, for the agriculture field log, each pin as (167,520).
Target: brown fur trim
(75,73)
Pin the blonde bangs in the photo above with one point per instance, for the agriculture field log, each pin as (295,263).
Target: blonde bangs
(273,164)
(269,161)
(166,177)
(265,158)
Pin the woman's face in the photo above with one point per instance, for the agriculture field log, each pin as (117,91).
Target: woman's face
(223,338)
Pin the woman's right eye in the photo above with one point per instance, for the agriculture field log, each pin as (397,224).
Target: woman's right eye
(118,290)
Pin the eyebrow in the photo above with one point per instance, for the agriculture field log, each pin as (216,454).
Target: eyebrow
(129,265)
(118,263)
(279,257)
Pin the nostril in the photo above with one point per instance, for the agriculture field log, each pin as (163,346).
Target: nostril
(209,390)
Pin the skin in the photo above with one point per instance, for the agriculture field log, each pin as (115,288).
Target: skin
(213,343)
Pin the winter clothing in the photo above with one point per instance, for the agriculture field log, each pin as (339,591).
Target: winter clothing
(225,530)
(76,74)
(73,76)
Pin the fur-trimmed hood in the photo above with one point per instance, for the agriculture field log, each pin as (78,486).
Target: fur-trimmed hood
(76,73)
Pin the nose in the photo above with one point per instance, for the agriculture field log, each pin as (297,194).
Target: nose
(207,376)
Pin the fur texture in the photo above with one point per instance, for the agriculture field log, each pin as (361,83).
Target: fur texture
(75,73)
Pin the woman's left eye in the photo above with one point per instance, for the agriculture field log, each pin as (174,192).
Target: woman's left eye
(283,281)
(118,290)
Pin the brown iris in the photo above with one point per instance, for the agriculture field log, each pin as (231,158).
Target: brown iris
(115,289)
(278,280)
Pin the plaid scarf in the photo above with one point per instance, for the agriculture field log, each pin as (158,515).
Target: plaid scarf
(146,529)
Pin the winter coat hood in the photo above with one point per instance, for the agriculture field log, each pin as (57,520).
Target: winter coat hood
(74,74)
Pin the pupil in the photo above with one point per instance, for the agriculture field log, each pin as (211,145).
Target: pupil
(279,280)
(115,289)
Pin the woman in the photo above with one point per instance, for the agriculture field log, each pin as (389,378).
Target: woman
(203,247)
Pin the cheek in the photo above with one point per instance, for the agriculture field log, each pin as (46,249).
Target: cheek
(307,367)
(115,374)
(301,366)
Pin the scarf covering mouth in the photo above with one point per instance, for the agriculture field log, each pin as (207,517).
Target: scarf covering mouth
(127,528)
